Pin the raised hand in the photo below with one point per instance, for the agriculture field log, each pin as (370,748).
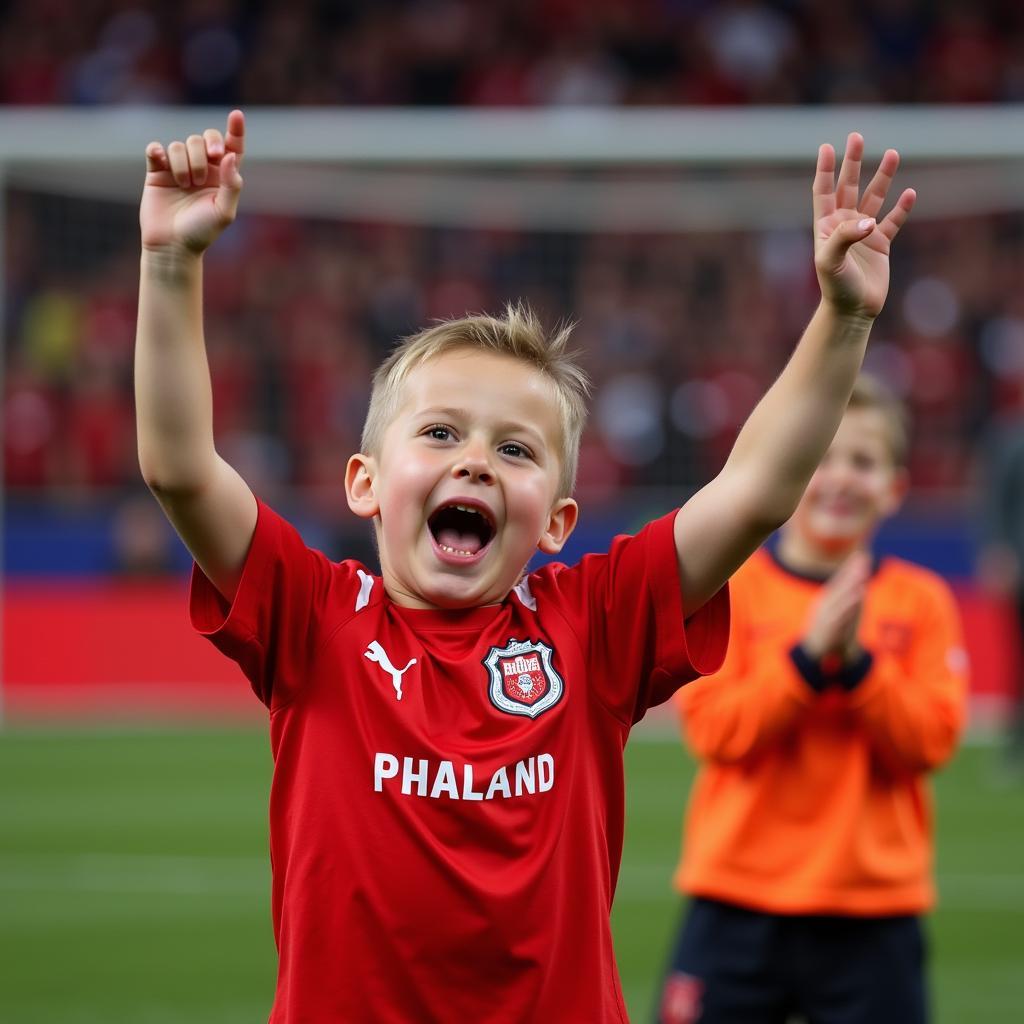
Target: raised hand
(192,188)
(851,246)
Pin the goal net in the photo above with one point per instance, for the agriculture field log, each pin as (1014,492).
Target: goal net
(678,241)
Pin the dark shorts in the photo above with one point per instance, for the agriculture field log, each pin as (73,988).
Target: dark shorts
(737,966)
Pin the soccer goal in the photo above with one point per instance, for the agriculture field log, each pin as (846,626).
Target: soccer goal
(678,240)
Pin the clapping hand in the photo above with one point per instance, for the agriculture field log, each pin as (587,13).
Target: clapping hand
(835,616)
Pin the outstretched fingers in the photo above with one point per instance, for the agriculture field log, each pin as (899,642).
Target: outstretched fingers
(823,190)
(848,185)
(831,194)
(878,187)
(897,216)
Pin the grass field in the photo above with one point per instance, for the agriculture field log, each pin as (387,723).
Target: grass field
(134,880)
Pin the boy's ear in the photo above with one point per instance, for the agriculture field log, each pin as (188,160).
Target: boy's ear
(360,474)
(897,492)
(561,523)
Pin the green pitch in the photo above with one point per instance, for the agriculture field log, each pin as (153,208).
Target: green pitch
(134,879)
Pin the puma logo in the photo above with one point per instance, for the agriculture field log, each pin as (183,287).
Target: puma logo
(377,654)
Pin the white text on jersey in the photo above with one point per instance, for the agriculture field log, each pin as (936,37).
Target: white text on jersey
(419,777)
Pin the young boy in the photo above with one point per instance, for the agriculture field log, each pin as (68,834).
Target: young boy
(808,842)
(447,806)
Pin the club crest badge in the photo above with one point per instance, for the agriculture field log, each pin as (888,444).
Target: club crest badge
(522,679)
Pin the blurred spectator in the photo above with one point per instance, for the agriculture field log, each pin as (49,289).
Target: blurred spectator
(143,542)
(451,52)
(31,429)
(751,44)
(1001,563)
(100,439)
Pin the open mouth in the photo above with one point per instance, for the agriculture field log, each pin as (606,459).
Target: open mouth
(461,530)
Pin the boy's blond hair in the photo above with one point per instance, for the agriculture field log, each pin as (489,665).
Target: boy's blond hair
(870,393)
(517,333)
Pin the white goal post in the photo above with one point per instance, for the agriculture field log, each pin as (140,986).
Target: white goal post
(494,168)
(573,135)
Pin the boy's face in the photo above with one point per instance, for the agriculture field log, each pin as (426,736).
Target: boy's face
(464,489)
(856,485)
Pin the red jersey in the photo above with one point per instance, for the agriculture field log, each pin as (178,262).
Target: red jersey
(446,813)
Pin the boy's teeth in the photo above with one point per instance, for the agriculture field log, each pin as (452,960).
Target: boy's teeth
(457,542)
(455,551)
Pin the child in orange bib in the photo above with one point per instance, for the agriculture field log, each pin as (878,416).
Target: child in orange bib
(808,839)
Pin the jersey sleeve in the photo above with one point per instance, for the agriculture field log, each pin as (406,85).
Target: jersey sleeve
(913,706)
(274,624)
(754,701)
(626,608)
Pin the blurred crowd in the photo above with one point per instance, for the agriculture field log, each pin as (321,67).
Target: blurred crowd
(510,52)
(681,333)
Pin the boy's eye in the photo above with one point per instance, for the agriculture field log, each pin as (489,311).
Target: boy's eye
(515,450)
(438,433)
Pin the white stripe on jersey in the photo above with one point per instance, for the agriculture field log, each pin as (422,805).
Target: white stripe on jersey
(522,591)
(365,586)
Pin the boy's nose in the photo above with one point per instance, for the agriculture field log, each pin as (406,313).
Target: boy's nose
(473,465)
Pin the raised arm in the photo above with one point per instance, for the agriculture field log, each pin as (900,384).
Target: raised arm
(792,426)
(190,195)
